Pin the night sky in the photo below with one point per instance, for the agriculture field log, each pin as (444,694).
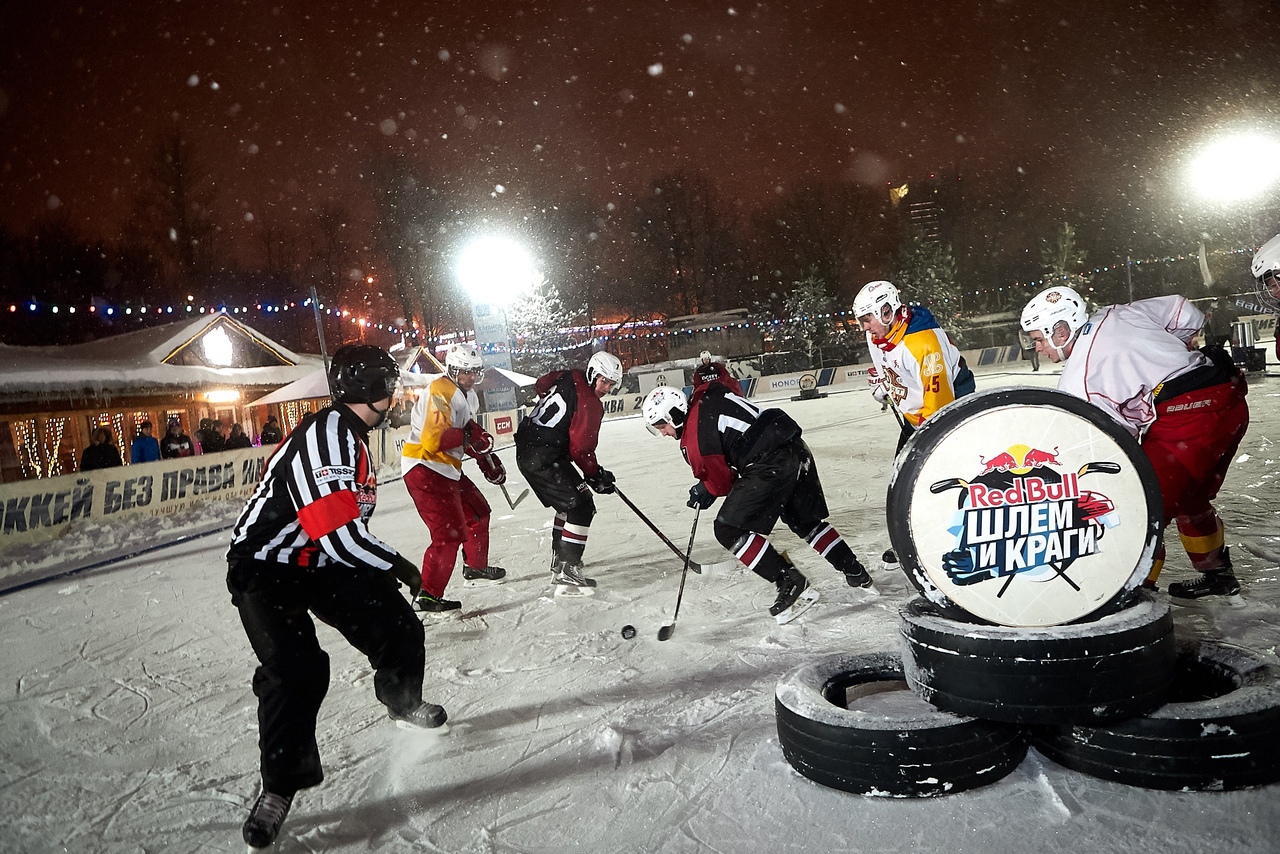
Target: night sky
(289,101)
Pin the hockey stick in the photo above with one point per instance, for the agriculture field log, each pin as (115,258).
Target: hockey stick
(664,633)
(693,564)
(507,496)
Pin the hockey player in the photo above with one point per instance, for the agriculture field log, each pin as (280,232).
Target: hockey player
(756,459)
(442,429)
(1185,406)
(712,371)
(303,545)
(561,431)
(916,365)
(1266,275)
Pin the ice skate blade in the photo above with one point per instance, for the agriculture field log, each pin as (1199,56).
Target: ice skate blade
(482,582)
(862,594)
(570,591)
(1234,601)
(440,616)
(798,607)
(443,729)
(890,567)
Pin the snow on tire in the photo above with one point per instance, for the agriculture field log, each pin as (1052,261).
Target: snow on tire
(1220,731)
(849,722)
(1106,670)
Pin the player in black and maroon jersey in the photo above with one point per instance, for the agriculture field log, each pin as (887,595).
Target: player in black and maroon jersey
(302,546)
(709,371)
(756,459)
(560,433)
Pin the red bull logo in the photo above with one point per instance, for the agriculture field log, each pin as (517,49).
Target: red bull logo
(1021,516)
(1019,459)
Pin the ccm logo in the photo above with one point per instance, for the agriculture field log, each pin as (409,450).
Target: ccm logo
(502,425)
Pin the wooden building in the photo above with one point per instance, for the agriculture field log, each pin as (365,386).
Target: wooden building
(53,398)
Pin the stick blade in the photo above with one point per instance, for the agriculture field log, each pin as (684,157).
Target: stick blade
(665,632)
(521,497)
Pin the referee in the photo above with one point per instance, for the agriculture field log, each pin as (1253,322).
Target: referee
(302,544)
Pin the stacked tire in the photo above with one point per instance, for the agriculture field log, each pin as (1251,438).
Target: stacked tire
(1032,624)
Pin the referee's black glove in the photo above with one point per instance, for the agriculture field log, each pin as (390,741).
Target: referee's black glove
(407,574)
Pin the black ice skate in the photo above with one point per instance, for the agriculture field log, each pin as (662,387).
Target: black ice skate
(569,581)
(889,561)
(434,605)
(795,596)
(482,576)
(265,817)
(427,716)
(858,576)
(1221,582)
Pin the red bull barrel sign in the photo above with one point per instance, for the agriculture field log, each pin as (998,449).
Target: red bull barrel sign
(1018,532)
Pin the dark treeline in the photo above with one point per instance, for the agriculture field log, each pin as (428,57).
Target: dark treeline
(675,248)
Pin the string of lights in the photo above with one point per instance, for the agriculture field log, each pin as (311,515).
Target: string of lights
(647,328)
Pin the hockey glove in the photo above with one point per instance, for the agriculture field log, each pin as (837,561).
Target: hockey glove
(407,574)
(492,468)
(479,442)
(699,497)
(602,481)
(959,567)
(881,394)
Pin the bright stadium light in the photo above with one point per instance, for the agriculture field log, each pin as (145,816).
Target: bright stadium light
(496,270)
(1236,168)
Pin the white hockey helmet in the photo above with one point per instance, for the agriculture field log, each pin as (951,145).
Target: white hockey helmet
(1053,306)
(665,404)
(605,365)
(1266,263)
(704,358)
(872,299)
(464,357)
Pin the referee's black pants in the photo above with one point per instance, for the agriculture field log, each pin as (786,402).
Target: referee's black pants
(365,606)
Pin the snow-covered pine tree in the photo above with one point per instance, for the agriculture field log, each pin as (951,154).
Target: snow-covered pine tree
(536,322)
(807,325)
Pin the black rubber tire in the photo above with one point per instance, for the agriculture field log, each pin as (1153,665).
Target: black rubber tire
(911,751)
(936,435)
(1106,670)
(1221,730)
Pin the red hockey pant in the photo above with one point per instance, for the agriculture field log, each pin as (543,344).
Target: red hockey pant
(456,515)
(1191,445)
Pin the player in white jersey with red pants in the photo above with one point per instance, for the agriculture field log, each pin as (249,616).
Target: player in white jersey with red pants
(1185,406)
(442,430)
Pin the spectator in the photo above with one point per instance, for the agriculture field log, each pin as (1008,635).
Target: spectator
(102,452)
(271,434)
(176,443)
(238,439)
(210,436)
(145,447)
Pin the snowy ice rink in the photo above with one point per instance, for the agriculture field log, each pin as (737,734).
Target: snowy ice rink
(128,723)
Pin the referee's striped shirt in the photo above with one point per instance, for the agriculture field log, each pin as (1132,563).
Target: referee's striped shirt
(313,504)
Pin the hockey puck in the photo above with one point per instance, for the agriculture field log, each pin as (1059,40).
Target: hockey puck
(628,632)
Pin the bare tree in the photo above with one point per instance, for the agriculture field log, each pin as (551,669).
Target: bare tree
(175,209)
(689,243)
